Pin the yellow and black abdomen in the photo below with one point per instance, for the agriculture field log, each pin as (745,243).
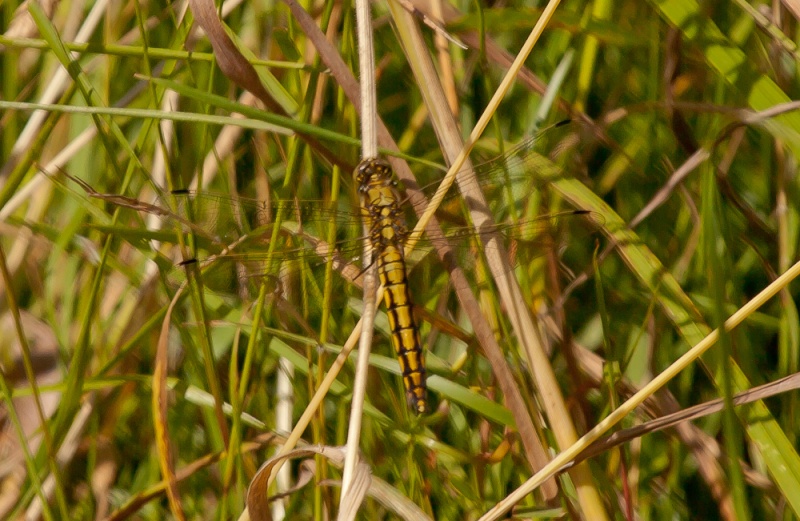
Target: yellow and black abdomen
(405,333)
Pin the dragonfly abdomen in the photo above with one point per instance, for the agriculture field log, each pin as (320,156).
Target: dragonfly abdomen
(405,333)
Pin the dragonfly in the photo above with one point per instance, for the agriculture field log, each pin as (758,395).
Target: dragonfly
(383,219)
(238,238)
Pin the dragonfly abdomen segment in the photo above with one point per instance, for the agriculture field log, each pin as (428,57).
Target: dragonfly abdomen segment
(386,233)
(405,333)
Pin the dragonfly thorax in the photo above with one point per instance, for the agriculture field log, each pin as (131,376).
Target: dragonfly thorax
(381,202)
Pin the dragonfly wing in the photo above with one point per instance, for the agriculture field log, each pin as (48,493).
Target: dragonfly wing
(245,252)
(523,241)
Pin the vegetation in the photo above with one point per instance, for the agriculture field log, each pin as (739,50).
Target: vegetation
(160,344)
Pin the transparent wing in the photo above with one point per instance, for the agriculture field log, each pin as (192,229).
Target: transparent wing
(238,242)
(246,241)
